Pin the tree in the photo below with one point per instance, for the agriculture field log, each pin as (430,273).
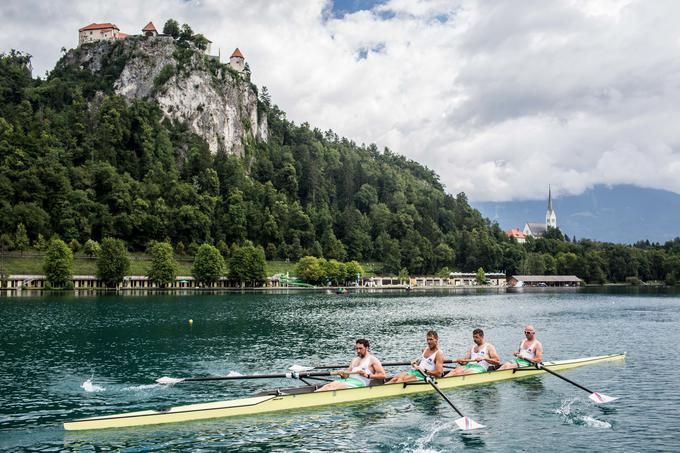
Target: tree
(247,265)
(163,265)
(58,263)
(6,242)
(353,271)
(208,264)
(309,269)
(91,248)
(171,28)
(113,262)
(403,275)
(444,272)
(74,245)
(40,243)
(21,239)
(480,277)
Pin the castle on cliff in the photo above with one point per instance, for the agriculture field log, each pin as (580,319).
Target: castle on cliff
(110,32)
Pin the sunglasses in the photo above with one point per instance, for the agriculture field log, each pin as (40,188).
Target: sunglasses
(526,332)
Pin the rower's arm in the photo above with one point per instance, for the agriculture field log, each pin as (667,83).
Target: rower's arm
(438,365)
(378,370)
(465,359)
(493,357)
(346,371)
(538,355)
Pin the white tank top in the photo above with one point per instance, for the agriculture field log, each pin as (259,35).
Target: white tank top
(480,355)
(364,364)
(428,363)
(528,353)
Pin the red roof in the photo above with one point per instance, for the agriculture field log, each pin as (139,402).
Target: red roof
(514,233)
(122,35)
(237,53)
(94,26)
(149,27)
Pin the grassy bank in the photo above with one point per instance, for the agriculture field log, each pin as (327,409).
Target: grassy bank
(139,265)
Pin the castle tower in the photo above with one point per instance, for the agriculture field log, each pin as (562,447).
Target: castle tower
(550,216)
(236,61)
(149,30)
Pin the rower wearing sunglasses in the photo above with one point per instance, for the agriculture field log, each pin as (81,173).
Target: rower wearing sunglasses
(530,351)
(361,370)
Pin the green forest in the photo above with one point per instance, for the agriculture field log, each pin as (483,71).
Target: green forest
(81,163)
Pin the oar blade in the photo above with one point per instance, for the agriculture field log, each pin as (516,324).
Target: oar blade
(168,380)
(467,424)
(601,398)
(300,368)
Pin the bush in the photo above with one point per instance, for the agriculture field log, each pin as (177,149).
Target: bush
(163,76)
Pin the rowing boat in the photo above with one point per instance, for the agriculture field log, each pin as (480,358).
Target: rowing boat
(304,397)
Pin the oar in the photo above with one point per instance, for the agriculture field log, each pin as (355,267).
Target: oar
(301,368)
(599,398)
(235,376)
(464,423)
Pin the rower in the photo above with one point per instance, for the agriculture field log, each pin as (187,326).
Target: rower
(479,358)
(430,363)
(530,351)
(361,370)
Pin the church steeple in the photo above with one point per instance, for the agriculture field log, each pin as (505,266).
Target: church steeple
(550,216)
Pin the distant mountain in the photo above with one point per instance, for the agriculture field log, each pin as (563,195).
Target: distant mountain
(623,214)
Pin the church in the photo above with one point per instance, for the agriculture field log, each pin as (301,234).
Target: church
(536,229)
(539,229)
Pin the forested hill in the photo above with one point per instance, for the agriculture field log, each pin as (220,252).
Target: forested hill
(81,162)
(97,149)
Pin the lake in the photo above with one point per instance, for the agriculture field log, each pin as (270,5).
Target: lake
(65,356)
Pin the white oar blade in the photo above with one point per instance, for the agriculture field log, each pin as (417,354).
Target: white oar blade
(467,424)
(300,368)
(601,398)
(169,380)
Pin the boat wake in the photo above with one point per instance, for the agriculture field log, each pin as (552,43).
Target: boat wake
(89,387)
(575,416)
(141,388)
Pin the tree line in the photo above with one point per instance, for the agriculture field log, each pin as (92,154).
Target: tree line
(246,264)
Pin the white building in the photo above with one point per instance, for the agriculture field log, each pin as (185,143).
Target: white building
(538,230)
(236,61)
(99,32)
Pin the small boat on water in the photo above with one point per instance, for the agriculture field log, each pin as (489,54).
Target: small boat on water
(286,399)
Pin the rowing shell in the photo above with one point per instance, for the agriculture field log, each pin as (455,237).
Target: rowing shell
(302,397)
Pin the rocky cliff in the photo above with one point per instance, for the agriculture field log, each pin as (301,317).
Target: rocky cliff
(218,103)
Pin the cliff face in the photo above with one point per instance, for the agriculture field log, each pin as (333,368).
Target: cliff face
(217,103)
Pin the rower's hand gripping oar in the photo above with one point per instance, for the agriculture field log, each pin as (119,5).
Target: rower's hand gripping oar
(599,398)
(464,423)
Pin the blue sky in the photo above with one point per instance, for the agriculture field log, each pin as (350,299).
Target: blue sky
(499,98)
(342,7)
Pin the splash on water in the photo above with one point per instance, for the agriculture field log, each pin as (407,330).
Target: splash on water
(234,374)
(575,416)
(89,387)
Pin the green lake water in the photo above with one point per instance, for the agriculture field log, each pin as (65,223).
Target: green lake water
(65,357)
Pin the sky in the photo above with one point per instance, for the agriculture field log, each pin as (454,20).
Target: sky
(499,98)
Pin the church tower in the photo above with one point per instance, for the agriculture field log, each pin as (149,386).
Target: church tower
(550,216)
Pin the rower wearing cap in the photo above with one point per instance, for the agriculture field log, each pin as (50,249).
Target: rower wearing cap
(361,370)
(530,351)
(430,363)
(479,358)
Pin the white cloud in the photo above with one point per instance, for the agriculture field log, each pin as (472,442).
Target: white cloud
(499,98)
